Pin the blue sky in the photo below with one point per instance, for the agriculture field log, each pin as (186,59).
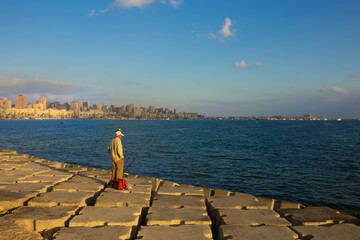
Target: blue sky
(222,58)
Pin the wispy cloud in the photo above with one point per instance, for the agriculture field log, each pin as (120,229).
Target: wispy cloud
(225,30)
(241,64)
(174,3)
(91,13)
(339,90)
(126,4)
(259,64)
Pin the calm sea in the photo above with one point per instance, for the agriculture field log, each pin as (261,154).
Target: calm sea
(312,162)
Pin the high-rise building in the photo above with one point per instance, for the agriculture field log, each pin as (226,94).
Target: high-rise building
(76,106)
(5,103)
(175,111)
(151,109)
(20,101)
(86,106)
(99,106)
(130,108)
(42,103)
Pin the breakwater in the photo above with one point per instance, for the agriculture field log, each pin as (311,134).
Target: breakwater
(42,199)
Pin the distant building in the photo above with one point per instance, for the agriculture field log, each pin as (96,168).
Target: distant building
(175,111)
(76,106)
(130,108)
(42,103)
(99,106)
(152,109)
(86,106)
(5,103)
(20,102)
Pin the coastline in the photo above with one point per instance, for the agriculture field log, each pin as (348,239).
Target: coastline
(31,188)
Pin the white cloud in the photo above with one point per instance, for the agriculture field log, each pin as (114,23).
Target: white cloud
(339,90)
(225,31)
(91,13)
(241,64)
(126,4)
(174,3)
(259,64)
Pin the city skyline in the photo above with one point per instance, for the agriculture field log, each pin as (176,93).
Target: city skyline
(217,58)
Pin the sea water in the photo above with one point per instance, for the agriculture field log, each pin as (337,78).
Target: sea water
(311,162)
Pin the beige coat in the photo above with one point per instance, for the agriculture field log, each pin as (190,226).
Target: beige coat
(115,150)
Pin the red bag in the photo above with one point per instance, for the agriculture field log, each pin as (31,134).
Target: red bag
(120,184)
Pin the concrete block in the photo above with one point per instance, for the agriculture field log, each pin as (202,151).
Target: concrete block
(42,218)
(97,173)
(52,199)
(137,181)
(171,201)
(182,232)
(99,216)
(268,201)
(119,199)
(252,217)
(86,233)
(10,200)
(78,187)
(287,205)
(27,187)
(132,189)
(37,179)
(34,166)
(177,216)
(335,232)
(92,180)
(256,233)
(53,173)
(165,183)
(21,173)
(316,216)
(244,201)
(221,193)
(8,179)
(7,167)
(10,230)
(181,190)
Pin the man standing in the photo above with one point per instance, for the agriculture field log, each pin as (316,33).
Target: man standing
(115,151)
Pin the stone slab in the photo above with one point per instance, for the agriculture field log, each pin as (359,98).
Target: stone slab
(10,230)
(171,201)
(317,216)
(34,166)
(8,179)
(132,189)
(78,187)
(252,217)
(256,233)
(119,199)
(37,179)
(344,231)
(182,232)
(95,180)
(174,216)
(14,162)
(52,199)
(91,216)
(27,187)
(181,190)
(10,200)
(21,173)
(97,173)
(53,173)
(87,233)
(137,181)
(244,201)
(42,218)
